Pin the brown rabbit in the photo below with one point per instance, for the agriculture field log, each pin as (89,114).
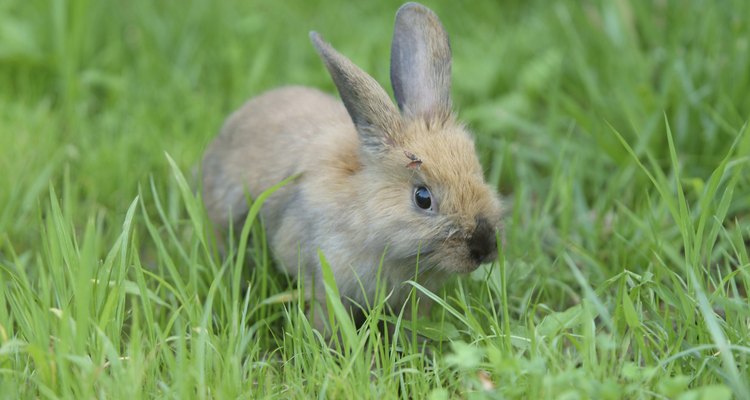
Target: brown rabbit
(375,184)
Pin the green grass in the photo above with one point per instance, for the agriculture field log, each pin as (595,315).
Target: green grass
(616,130)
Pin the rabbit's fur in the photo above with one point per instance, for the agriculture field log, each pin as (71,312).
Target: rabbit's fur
(359,163)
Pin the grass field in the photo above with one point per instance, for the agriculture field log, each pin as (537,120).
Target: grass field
(616,131)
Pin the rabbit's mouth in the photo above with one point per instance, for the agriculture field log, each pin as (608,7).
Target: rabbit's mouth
(466,251)
(452,256)
(455,251)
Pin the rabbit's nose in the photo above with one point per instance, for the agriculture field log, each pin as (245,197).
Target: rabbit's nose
(483,242)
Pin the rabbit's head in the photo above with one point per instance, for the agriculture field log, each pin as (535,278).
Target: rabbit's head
(425,195)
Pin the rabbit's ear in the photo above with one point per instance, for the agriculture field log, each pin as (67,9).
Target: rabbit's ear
(374,114)
(420,63)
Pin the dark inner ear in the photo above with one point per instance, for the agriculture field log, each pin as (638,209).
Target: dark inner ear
(376,118)
(420,63)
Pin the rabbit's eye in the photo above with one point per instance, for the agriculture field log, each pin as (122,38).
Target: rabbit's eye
(423,198)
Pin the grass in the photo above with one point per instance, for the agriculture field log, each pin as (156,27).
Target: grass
(616,130)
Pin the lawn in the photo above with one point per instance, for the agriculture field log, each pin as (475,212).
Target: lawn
(616,132)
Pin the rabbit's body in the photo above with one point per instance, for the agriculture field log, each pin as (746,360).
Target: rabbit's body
(385,195)
(281,143)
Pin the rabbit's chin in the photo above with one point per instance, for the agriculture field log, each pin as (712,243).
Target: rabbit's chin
(463,268)
(452,262)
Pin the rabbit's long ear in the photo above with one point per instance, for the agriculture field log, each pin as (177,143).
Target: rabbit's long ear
(421,63)
(375,116)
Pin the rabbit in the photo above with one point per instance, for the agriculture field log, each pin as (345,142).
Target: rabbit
(395,188)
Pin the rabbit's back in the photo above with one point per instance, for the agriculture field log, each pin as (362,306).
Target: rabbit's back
(278,134)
